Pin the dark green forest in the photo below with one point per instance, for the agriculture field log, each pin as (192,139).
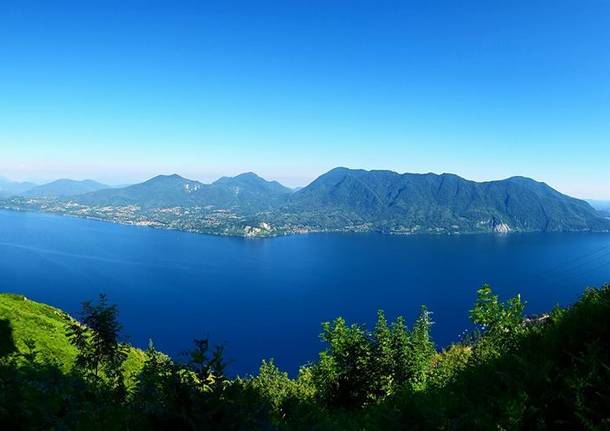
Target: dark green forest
(513,372)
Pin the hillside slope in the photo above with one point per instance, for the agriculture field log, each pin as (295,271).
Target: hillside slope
(12,188)
(245,192)
(392,202)
(46,327)
(64,187)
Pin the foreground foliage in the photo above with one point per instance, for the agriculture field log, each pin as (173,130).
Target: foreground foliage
(512,372)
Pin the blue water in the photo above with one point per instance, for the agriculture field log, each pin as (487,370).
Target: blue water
(266,298)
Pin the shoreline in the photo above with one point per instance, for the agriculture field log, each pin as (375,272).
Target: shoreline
(271,235)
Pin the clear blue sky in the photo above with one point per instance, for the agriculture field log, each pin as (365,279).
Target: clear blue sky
(289,89)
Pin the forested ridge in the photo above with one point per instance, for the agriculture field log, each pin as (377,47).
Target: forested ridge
(513,372)
(341,200)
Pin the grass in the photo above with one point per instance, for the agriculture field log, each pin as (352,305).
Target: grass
(46,327)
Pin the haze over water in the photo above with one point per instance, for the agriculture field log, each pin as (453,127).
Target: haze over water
(267,298)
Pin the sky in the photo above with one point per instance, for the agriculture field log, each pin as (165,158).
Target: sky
(120,91)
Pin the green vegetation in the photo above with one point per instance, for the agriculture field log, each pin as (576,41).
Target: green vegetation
(40,324)
(512,372)
(43,328)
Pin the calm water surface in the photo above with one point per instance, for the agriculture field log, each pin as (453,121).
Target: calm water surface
(266,298)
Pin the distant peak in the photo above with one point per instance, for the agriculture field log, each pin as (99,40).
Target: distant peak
(339,169)
(165,178)
(249,175)
(69,180)
(172,176)
(521,179)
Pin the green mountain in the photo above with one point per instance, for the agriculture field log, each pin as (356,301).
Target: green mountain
(252,183)
(392,202)
(339,200)
(246,192)
(160,191)
(63,188)
(11,188)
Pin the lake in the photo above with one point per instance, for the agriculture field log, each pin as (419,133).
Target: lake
(264,298)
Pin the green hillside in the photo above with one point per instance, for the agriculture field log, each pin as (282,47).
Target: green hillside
(246,191)
(414,203)
(45,326)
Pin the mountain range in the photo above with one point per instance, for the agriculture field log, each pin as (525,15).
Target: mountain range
(390,201)
(54,189)
(340,200)
(602,206)
(12,188)
(247,191)
(63,188)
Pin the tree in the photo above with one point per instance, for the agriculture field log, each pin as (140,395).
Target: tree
(344,374)
(500,323)
(152,382)
(100,354)
(163,396)
(384,356)
(401,351)
(422,349)
(7,341)
(209,370)
(273,385)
